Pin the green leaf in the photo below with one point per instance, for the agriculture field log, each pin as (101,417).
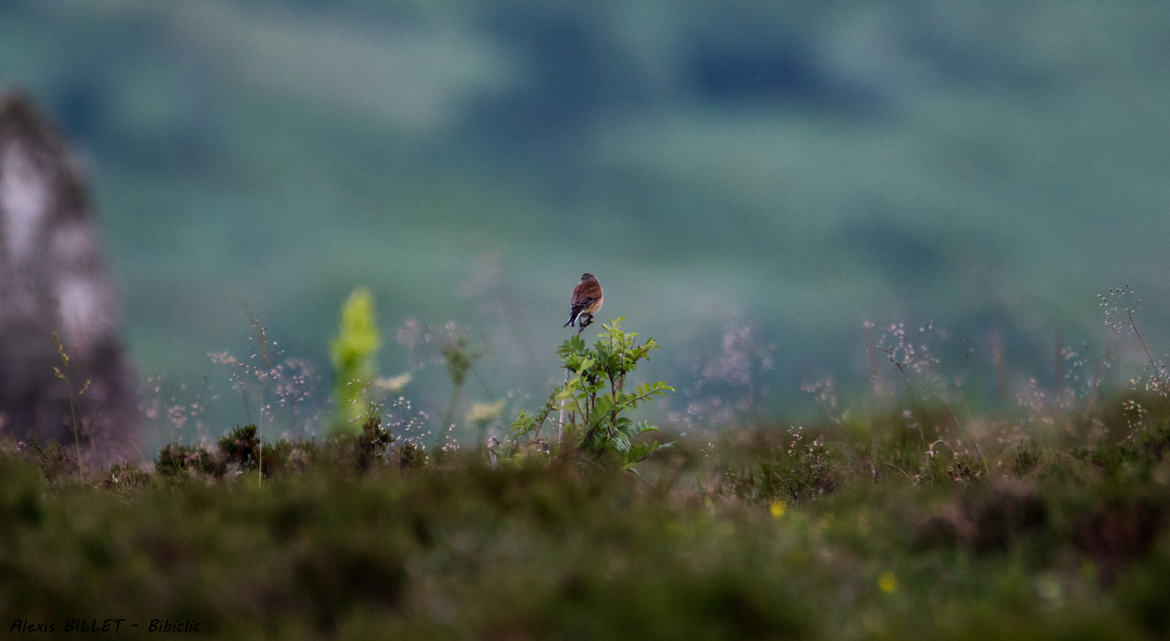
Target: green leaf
(637,429)
(604,404)
(620,442)
(640,452)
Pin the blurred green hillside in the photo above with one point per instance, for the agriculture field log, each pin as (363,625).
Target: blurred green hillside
(797,168)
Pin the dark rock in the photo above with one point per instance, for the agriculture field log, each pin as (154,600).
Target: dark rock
(52,280)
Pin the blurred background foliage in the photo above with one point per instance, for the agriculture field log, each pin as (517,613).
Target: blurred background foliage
(755,176)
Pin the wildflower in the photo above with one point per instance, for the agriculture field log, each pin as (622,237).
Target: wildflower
(777,508)
(888,582)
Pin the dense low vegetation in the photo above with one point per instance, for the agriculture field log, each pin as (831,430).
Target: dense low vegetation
(1052,529)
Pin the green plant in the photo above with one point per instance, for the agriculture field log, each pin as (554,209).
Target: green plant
(804,470)
(369,449)
(52,459)
(185,461)
(242,447)
(597,399)
(353,354)
(126,477)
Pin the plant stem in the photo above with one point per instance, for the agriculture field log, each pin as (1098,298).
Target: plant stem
(1153,365)
(449,415)
(561,418)
(63,374)
(260,444)
(871,360)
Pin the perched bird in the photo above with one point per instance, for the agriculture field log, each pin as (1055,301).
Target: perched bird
(587,298)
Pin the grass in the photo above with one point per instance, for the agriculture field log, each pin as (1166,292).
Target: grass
(765,532)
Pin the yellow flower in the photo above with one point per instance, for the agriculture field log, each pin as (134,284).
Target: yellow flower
(777,508)
(887,582)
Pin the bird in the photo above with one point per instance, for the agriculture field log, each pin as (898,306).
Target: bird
(586,300)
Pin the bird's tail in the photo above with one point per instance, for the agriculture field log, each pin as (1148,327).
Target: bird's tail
(569,323)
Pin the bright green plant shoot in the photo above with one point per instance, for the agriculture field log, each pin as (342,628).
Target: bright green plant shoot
(355,366)
(597,399)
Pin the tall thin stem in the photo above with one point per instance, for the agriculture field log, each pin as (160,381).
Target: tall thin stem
(1153,365)
(561,416)
(63,374)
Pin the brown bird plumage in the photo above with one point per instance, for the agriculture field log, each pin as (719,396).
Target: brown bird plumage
(587,299)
